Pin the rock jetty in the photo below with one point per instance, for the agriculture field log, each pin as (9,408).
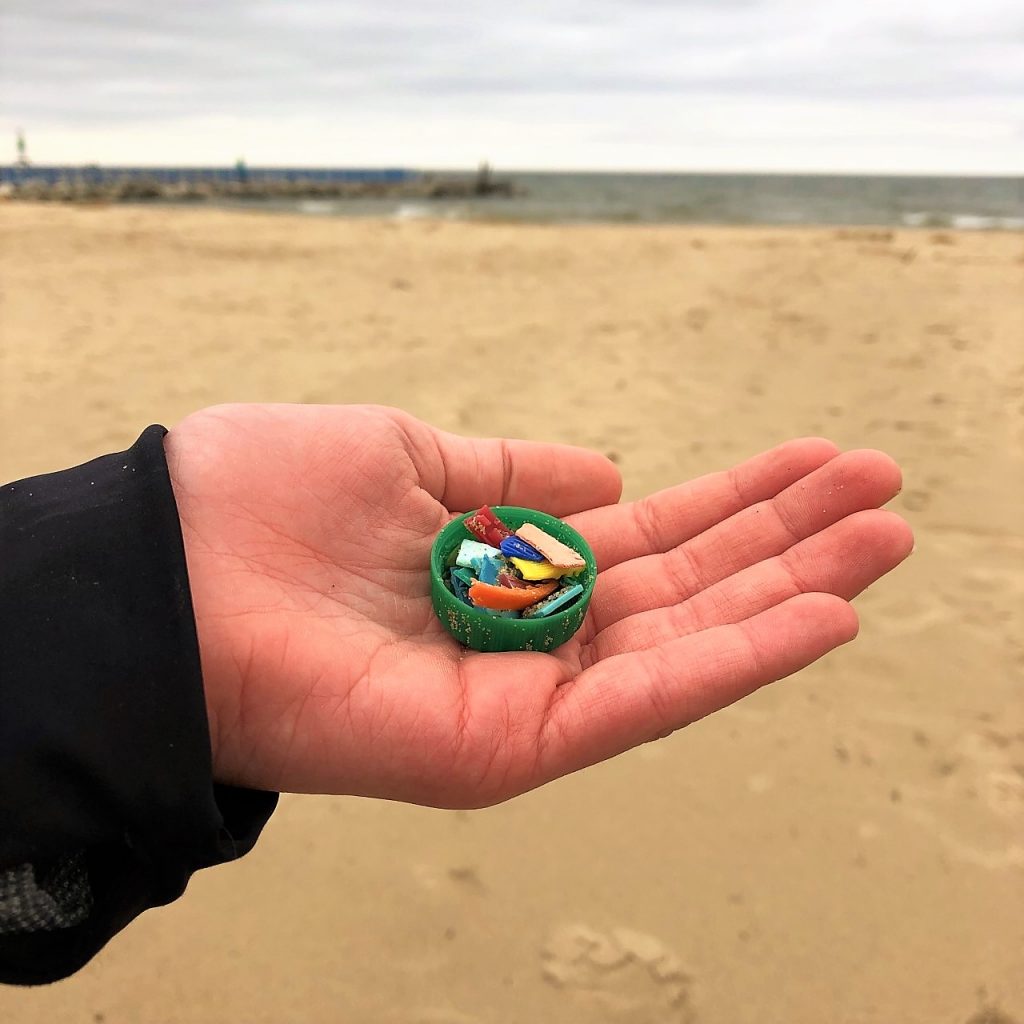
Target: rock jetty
(90,185)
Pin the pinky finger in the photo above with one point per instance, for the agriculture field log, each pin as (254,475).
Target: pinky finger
(628,699)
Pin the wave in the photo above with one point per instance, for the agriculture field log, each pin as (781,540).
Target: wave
(428,211)
(962,221)
(317,207)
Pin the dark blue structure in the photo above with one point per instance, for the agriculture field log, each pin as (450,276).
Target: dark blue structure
(96,175)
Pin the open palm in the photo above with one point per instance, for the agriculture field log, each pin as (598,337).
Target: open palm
(307,533)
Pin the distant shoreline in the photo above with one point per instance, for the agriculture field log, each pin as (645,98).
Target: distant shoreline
(776,200)
(136,184)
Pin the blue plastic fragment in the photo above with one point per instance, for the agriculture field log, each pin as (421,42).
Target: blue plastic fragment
(489,568)
(559,599)
(515,547)
(460,585)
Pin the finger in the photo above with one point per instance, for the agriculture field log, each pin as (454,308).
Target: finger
(846,484)
(631,698)
(464,473)
(666,519)
(843,560)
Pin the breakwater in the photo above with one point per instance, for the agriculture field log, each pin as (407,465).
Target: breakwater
(184,184)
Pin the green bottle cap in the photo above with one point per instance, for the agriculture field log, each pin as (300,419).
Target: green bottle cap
(473,627)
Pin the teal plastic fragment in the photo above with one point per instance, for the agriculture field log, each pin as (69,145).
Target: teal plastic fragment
(460,586)
(489,568)
(559,599)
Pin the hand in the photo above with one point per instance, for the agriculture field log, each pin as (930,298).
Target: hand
(307,533)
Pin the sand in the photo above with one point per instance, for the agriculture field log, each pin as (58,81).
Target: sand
(846,846)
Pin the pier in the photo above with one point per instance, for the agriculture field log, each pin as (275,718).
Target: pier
(195,184)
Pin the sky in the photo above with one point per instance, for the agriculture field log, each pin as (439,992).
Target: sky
(898,86)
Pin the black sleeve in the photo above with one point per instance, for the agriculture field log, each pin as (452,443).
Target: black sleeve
(107,800)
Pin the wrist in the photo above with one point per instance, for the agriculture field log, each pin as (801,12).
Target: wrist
(186,503)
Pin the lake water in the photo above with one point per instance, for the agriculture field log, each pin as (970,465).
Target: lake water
(973,202)
(723,199)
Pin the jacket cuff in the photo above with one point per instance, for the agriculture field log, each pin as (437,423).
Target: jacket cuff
(104,741)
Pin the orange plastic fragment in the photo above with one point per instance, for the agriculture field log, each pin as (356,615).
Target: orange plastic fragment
(486,595)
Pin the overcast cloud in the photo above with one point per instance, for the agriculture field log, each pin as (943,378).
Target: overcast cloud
(668,84)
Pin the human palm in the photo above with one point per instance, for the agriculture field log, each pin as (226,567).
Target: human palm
(307,533)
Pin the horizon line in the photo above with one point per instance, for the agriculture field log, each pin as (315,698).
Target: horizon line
(495,169)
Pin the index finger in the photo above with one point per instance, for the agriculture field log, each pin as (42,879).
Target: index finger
(668,518)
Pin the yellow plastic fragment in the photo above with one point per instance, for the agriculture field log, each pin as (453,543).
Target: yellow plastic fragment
(543,570)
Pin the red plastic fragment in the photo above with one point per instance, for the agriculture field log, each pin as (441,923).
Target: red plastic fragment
(486,526)
(511,580)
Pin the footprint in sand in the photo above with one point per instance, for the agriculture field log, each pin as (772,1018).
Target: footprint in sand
(975,802)
(990,1015)
(621,976)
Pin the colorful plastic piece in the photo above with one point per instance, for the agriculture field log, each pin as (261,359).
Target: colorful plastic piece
(460,585)
(486,526)
(536,570)
(489,568)
(541,570)
(472,552)
(484,595)
(557,553)
(558,600)
(516,547)
(465,575)
(506,578)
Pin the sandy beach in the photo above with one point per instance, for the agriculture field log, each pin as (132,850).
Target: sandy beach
(845,846)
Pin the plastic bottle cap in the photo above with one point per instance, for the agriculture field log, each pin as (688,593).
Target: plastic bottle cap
(477,629)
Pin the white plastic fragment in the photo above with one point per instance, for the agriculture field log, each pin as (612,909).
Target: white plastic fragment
(471,554)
